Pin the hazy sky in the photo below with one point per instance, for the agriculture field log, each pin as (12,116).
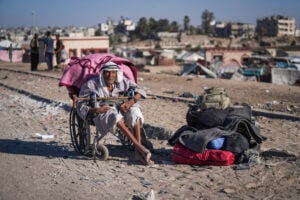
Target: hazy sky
(92,12)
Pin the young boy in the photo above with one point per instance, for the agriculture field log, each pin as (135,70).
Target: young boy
(63,58)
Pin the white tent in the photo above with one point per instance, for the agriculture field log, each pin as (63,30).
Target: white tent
(6,44)
(179,56)
(166,53)
(192,57)
(146,53)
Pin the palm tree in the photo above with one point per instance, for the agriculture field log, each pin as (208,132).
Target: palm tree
(186,23)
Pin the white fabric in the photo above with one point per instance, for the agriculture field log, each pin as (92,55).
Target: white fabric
(106,122)
(120,77)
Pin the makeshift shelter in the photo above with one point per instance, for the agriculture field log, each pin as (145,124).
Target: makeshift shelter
(228,68)
(180,55)
(5,44)
(16,51)
(296,62)
(166,57)
(285,76)
(191,57)
(195,68)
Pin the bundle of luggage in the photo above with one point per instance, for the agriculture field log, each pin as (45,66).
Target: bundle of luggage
(216,133)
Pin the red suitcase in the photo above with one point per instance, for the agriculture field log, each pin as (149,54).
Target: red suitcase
(210,157)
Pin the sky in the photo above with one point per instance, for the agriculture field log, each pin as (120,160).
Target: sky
(87,13)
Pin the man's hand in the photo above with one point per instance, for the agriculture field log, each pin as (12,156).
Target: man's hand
(102,109)
(127,105)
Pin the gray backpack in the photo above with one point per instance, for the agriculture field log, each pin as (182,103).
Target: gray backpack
(213,97)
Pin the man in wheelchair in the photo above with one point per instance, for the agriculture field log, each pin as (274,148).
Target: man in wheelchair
(109,116)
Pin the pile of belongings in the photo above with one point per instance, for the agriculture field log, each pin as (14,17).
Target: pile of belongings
(217,135)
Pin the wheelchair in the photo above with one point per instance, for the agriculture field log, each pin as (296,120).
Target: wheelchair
(86,139)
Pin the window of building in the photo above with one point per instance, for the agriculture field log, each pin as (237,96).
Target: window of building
(92,51)
(218,58)
(72,53)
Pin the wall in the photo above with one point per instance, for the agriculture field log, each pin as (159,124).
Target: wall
(75,46)
(17,56)
(227,54)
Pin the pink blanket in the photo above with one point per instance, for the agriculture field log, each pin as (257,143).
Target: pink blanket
(79,70)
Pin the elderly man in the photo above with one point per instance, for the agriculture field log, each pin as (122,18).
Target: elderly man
(109,116)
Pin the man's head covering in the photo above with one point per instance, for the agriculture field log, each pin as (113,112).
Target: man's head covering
(110,66)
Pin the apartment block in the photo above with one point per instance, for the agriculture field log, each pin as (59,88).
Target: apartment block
(276,26)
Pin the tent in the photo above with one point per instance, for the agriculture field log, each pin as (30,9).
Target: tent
(4,44)
(180,55)
(192,57)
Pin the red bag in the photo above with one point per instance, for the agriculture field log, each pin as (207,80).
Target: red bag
(210,157)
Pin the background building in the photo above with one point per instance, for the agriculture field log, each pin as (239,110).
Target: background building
(276,26)
(80,46)
(234,30)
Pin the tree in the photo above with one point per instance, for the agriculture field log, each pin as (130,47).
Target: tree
(157,46)
(152,24)
(207,18)
(174,27)
(152,28)
(162,25)
(148,29)
(179,36)
(192,30)
(186,23)
(141,30)
(98,32)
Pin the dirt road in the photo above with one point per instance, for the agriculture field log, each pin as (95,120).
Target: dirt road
(35,168)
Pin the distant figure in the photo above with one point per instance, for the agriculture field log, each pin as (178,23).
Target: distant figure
(58,49)
(48,50)
(63,58)
(34,52)
(10,52)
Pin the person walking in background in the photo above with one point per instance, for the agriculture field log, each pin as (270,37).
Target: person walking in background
(63,58)
(48,50)
(34,52)
(58,49)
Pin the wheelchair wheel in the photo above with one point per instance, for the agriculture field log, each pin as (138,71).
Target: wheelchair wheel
(80,133)
(144,140)
(101,152)
(125,140)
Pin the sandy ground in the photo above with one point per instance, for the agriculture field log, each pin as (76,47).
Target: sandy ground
(34,168)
